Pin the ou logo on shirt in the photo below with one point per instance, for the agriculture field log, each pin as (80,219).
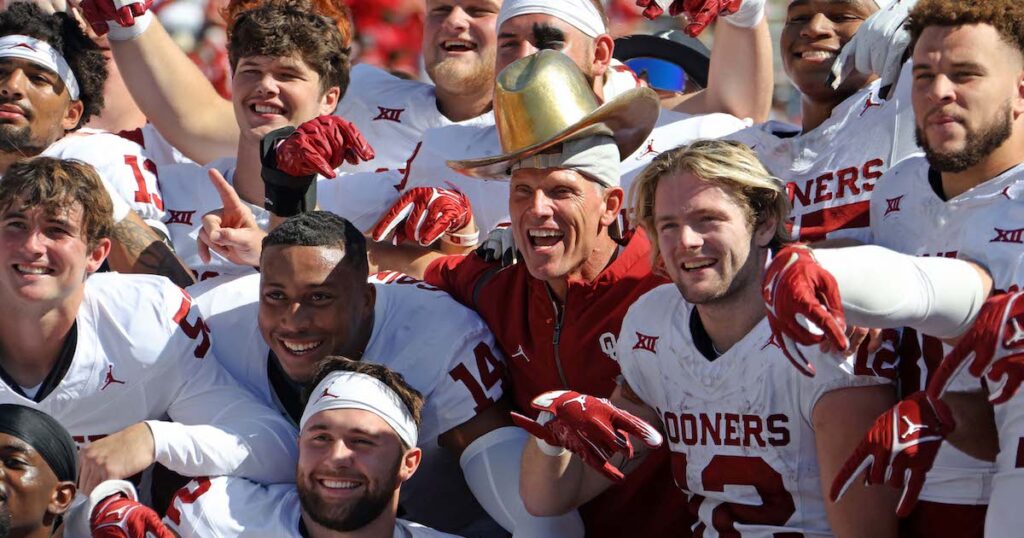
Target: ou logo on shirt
(608,344)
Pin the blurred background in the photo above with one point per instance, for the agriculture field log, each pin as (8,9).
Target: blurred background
(388,35)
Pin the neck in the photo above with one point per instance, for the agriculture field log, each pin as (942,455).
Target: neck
(30,342)
(728,321)
(816,112)
(460,106)
(248,172)
(1002,159)
(601,256)
(382,527)
(39,532)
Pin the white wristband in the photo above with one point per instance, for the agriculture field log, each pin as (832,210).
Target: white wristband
(127,33)
(748,16)
(551,450)
(462,240)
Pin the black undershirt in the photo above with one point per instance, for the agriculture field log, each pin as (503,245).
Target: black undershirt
(56,375)
(701,338)
(288,392)
(935,180)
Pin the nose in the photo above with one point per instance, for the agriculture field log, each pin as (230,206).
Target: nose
(295,317)
(540,204)
(13,85)
(267,85)
(457,21)
(690,239)
(341,452)
(941,89)
(817,27)
(35,243)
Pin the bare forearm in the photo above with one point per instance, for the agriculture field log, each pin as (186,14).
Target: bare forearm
(975,432)
(552,486)
(740,80)
(175,96)
(136,248)
(409,259)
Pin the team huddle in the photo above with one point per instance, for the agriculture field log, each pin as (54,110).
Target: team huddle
(533,296)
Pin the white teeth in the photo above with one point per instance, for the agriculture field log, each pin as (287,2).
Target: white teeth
(457,44)
(31,270)
(266,109)
(817,54)
(545,233)
(697,265)
(339,484)
(299,347)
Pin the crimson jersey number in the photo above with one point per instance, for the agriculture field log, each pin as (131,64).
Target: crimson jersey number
(490,369)
(776,506)
(186,496)
(197,330)
(142,195)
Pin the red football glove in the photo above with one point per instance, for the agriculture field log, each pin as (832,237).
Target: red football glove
(423,214)
(117,516)
(993,348)
(899,449)
(700,13)
(320,145)
(123,12)
(803,300)
(592,428)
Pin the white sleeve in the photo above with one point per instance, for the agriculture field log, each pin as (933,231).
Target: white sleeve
(219,428)
(471,383)
(491,466)
(198,507)
(627,353)
(361,197)
(885,289)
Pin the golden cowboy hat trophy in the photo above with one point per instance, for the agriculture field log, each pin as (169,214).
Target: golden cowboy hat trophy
(544,99)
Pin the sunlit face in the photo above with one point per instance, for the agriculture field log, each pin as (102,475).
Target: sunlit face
(35,107)
(458,44)
(30,494)
(707,243)
(558,217)
(524,35)
(44,256)
(814,32)
(967,92)
(312,306)
(351,464)
(272,92)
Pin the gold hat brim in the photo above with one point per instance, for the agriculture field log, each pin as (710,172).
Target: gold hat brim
(629,119)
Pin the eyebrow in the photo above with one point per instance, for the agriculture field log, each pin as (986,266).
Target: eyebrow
(956,65)
(543,33)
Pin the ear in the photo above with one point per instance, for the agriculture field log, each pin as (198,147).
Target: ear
(613,200)
(97,255)
(604,46)
(1018,103)
(329,100)
(62,497)
(410,462)
(765,232)
(72,115)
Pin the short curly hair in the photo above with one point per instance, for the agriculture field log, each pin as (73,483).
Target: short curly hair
(285,27)
(62,32)
(333,9)
(1006,16)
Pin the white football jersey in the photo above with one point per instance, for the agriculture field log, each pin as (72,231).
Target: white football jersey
(739,427)
(223,507)
(122,166)
(441,348)
(831,171)
(986,225)
(392,113)
(155,146)
(143,353)
(188,195)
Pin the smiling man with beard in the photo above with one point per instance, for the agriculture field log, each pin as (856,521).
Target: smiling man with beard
(37,472)
(357,446)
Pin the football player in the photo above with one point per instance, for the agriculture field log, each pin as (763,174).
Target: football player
(52,79)
(112,356)
(312,299)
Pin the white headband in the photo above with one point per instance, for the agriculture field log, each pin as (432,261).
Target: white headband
(580,13)
(349,390)
(596,157)
(40,53)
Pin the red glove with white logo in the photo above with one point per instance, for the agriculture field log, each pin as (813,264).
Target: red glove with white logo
(899,449)
(424,214)
(122,12)
(320,145)
(592,428)
(993,348)
(803,301)
(700,13)
(117,516)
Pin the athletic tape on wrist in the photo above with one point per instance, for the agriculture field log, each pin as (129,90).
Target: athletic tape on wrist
(127,33)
